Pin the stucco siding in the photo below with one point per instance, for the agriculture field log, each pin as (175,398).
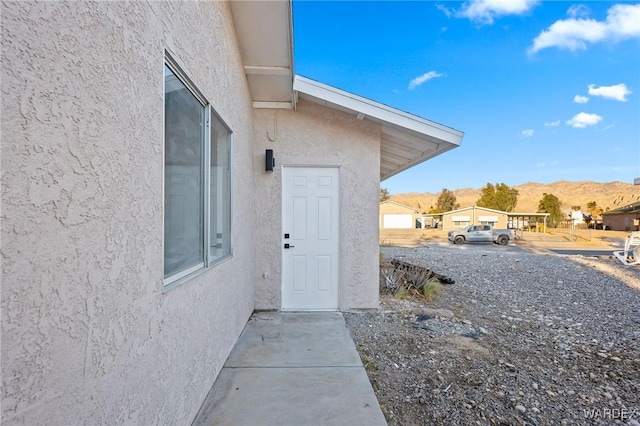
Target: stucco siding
(314,135)
(474,216)
(622,222)
(88,336)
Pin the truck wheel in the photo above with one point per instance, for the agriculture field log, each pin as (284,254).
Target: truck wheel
(503,240)
(459,240)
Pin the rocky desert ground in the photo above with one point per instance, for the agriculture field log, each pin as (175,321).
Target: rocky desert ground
(521,338)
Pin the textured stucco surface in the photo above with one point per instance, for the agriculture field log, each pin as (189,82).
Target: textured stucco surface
(88,336)
(315,135)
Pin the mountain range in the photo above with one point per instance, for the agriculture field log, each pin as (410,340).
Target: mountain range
(608,196)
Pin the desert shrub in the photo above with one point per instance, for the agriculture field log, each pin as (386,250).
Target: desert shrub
(431,289)
(405,280)
(392,278)
(402,293)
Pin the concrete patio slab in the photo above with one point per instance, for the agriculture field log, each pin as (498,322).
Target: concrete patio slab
(273,339)
(292,369)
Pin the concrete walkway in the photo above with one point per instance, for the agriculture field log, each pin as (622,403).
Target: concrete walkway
(292,369)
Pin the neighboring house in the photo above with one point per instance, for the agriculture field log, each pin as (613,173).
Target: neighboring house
(397,216)
(140,226)
(626,218)
(576,217)
(474,215)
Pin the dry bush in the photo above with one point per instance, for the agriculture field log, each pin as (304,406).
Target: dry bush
(405,280)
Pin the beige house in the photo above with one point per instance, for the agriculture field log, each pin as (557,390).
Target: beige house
(457,219)
(143,217)
(625,218)
(397,216)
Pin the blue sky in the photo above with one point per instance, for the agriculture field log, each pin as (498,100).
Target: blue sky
(543,90)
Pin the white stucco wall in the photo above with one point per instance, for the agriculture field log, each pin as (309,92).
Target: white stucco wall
(315,135)
(88,336)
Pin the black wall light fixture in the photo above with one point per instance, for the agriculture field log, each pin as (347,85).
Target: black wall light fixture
(270,162)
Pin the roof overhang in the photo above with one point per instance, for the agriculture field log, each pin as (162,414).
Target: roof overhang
(630,208)
(265,34)
(406,139)
(264,29)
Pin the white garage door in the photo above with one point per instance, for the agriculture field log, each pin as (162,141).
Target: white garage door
(394,221)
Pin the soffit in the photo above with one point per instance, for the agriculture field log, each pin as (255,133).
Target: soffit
(265,35)
(406,139)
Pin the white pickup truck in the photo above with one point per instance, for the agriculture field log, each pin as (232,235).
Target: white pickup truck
(481,234)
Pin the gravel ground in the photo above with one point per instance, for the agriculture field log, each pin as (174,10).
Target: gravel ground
(521,338)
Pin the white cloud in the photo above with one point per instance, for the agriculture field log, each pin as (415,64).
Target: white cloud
(578,11)
(583,119)
(578,31)
(485,11)
(444,9)
(423,78)
(527,133)
(545,164)
(580,99)
(618,92)
(569,34)
(552,124)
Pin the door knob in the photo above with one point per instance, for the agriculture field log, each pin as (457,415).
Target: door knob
(287,245)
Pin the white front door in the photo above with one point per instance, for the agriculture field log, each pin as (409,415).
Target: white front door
(310,231)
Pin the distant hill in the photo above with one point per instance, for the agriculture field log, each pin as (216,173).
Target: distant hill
(608,195)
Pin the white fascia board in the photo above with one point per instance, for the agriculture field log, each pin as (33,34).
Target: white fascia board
(376,110)
(399,205)
(464,209)
(485,209)
(527,214)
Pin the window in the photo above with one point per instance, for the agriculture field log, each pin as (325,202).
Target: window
(197,180)
(220,192)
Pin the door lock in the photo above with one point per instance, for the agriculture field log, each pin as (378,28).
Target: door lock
(287,245)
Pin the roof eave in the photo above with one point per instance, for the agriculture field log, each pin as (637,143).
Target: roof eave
(406,139)
(384,176)
(265,34)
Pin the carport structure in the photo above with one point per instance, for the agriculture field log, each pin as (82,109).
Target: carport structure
(526,220)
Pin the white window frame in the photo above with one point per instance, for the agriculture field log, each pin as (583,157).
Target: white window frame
(208,261)
(211,261)
(461,223)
